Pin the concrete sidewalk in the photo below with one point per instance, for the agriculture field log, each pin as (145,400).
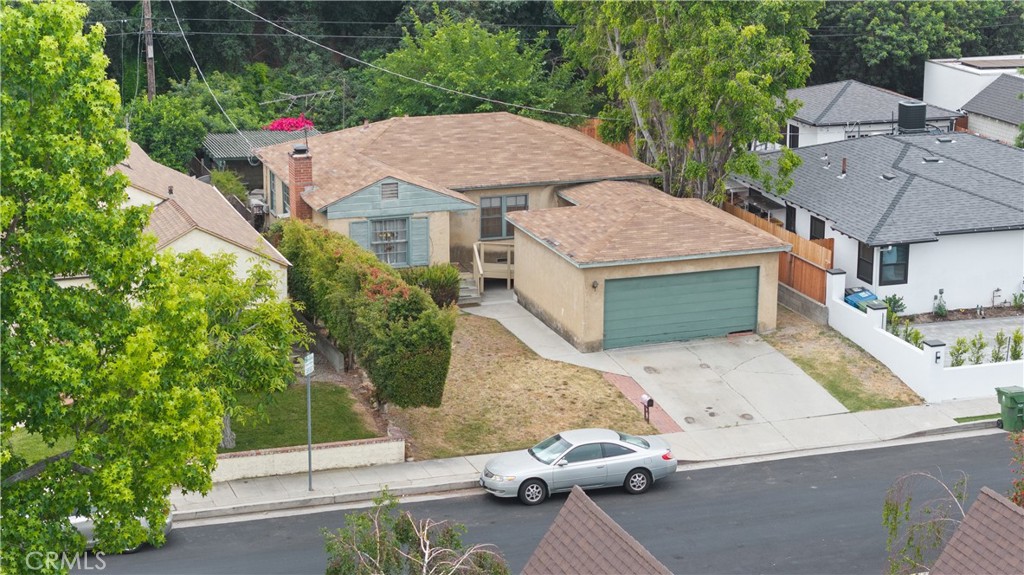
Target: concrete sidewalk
(735,399)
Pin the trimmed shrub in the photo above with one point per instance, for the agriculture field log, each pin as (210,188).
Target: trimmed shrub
(441,281)
(1017,344)
(229,183)
(396,331)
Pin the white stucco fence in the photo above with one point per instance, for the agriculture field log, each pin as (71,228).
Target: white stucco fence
(922,370)
(289,460)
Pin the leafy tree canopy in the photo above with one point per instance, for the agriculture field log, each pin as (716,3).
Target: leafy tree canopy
(133,356)
(699,81)
(465,57)
(886,43)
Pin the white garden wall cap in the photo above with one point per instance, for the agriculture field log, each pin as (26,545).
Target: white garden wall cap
(303,448)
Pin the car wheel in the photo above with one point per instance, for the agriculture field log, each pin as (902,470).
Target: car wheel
(533,491)
(999,423)
(638,481)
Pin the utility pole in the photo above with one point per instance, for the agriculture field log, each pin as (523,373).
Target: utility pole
(147,25)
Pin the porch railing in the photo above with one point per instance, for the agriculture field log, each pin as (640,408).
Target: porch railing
(493,260)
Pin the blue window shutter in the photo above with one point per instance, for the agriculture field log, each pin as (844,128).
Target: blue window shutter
(360,233)
(419,241)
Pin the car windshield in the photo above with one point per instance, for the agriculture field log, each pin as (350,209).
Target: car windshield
(634,440)
(548,450)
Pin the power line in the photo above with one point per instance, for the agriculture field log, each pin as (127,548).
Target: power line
(203,76)
(404,77)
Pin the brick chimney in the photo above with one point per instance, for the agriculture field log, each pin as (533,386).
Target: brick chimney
(300,178)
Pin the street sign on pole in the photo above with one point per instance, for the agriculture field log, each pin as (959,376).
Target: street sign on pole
(307,370)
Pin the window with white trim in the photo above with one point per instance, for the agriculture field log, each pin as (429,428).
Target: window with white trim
(390,241)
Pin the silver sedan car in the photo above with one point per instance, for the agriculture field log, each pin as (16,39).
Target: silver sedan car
(86,527)
(589,458)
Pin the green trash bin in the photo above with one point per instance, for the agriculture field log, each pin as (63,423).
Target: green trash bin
(1011,405)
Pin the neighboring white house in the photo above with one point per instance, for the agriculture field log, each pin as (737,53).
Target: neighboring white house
(997,111)
(191,215)
(952,82)
(914,215)
(849,109)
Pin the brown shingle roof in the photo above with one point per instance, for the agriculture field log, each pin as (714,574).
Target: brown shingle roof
(583,539)
(625,222)
(989,541)
(192,205)
(455,153)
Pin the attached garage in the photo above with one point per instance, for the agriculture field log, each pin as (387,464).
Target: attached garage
(679,307)
(629,265)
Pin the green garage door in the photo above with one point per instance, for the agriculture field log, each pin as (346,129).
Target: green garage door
(679,307)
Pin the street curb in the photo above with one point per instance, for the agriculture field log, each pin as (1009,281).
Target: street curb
(351,496)
(368,493)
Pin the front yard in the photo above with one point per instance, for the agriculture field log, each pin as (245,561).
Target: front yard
(855,378)
(501,396)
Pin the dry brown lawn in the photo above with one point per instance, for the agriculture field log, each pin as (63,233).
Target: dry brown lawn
(501,396)
(858,380)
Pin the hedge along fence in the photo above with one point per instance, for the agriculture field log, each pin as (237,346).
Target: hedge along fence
(395,331)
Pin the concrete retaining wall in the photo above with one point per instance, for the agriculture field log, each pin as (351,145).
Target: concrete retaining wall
(289,460)
(923,370)
(803,305)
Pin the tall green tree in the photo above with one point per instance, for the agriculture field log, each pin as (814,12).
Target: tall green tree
(170,128)
(462,56)
(886,43)
(696,81)
(137,363)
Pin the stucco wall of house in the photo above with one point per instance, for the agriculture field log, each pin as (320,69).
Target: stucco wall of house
(561,295)
(990,127)
(465,226)
(137,197)
(968,267)
(438,229)
(245,260)
(950,87)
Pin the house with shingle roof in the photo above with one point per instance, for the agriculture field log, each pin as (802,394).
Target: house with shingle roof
(420,190)
(236,151)
(989,540)
(192,215)
(849,109)
(584,539)
(596,253)
(998,110)
(952,82)
(915,215)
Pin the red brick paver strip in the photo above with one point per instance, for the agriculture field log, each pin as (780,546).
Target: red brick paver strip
(632,390)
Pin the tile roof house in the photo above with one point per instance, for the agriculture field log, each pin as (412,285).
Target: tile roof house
(989,540)
(627,265)
(997,111)
(189,214)
(915,215)
(425,190)
(849,109)
(584,539)
(237,151)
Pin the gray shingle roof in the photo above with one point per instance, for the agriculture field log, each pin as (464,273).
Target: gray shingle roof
(239,146)
(849,101)
(1000,100)
(976,185)
(583,539)
(989,540)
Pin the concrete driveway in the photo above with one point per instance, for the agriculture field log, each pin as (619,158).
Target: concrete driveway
(705,384)
(725,382)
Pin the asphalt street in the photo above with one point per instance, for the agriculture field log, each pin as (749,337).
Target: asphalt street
(819,514)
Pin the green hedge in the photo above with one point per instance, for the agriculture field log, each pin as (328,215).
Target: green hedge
(441,281)
(395,330)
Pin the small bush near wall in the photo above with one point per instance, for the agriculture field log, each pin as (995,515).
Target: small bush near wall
(441,281)
(396,331)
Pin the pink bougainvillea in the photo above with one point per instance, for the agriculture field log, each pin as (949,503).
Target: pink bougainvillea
(289,124)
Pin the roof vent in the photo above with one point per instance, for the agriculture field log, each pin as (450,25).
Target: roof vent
(170,190)
(945,140)
(888,176)
(932,160)
(301,149)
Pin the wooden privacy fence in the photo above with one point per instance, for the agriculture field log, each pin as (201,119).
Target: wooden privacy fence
(804,268)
